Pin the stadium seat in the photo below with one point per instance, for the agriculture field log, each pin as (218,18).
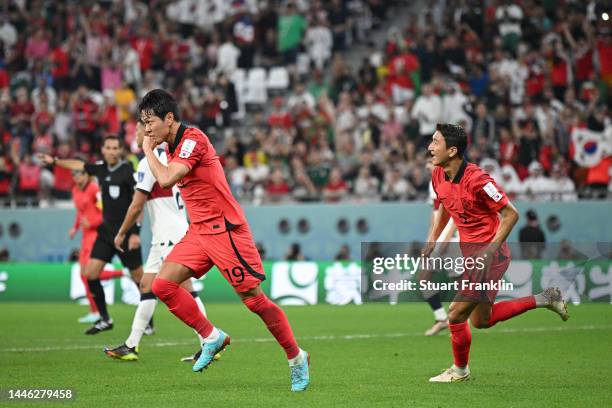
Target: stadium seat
(278,79)
(256,92)
(303,64)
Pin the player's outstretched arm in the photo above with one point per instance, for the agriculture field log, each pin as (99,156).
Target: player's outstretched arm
(166,176)
(72,164)
(134,213)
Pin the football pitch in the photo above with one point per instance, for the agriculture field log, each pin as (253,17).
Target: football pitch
(372,355)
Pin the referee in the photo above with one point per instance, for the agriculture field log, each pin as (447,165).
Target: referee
(116,179)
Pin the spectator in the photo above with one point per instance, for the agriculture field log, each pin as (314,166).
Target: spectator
(428,111)
(344,254)
(22,111)
(236,175)
(562,187)
(509,17)
(227,57)
(300,98)
(44,92)
(125,99)
(62,177)
(396,187)
(291,29)
(531,237)
(336,188)
(511,183)
(295,253)
(85,112)
(366,186)
(277,189)
(28,186)
(537,186)
(6,178)
(319,43)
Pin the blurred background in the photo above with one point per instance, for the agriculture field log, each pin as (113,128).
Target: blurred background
(319,110)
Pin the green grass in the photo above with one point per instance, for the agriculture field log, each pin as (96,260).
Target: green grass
(371,356)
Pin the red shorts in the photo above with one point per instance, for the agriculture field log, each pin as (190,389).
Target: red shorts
(233,252)
(87,243)
(494,274)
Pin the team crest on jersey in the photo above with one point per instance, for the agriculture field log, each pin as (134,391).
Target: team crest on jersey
(114,192)
(492,191)
(140,176)
(187,148)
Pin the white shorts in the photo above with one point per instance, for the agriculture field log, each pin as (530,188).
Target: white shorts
(157,254)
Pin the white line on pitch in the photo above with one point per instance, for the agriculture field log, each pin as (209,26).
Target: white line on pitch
(316,338)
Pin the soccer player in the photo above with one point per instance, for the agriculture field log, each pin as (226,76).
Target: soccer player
(484,217)
(218,235)
(116,179)
(88,219)
(168,225)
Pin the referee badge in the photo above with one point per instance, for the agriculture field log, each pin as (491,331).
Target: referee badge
(114,192)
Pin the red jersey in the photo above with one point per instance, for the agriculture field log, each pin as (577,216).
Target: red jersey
(86,203)
(204,188)
(473,200)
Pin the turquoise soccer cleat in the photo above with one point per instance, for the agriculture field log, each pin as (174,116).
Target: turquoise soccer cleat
(209,350)
(300,375)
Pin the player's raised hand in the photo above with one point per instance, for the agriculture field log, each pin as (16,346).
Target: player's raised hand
(45,158)
(133,242)
(149,143)
(119,238)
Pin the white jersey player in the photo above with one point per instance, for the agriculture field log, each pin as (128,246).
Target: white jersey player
(168,225)
(449,234)
(166,213)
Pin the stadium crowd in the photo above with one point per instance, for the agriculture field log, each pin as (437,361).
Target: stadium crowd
(520,76)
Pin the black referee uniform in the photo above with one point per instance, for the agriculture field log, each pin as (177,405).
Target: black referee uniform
(117,187)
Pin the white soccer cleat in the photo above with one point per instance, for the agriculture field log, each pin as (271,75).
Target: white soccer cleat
(437,327)
(450,375)
(555,302)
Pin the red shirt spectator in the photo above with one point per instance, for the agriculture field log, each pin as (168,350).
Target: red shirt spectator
(144,48)
(5,79)
(277,188)
(60,63)
(6,173)
(62,180)
(22,110)
(84,111)
(43,143)
(336,188)
(29,175)
(604,50)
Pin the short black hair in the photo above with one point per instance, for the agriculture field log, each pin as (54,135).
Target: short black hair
(112,137)
(454,136)
(159,103)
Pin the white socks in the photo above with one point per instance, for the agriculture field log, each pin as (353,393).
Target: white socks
(440,315)
(203,309)
(213,336)
(297,359)
(540,300)
(460,371)
(144,312)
